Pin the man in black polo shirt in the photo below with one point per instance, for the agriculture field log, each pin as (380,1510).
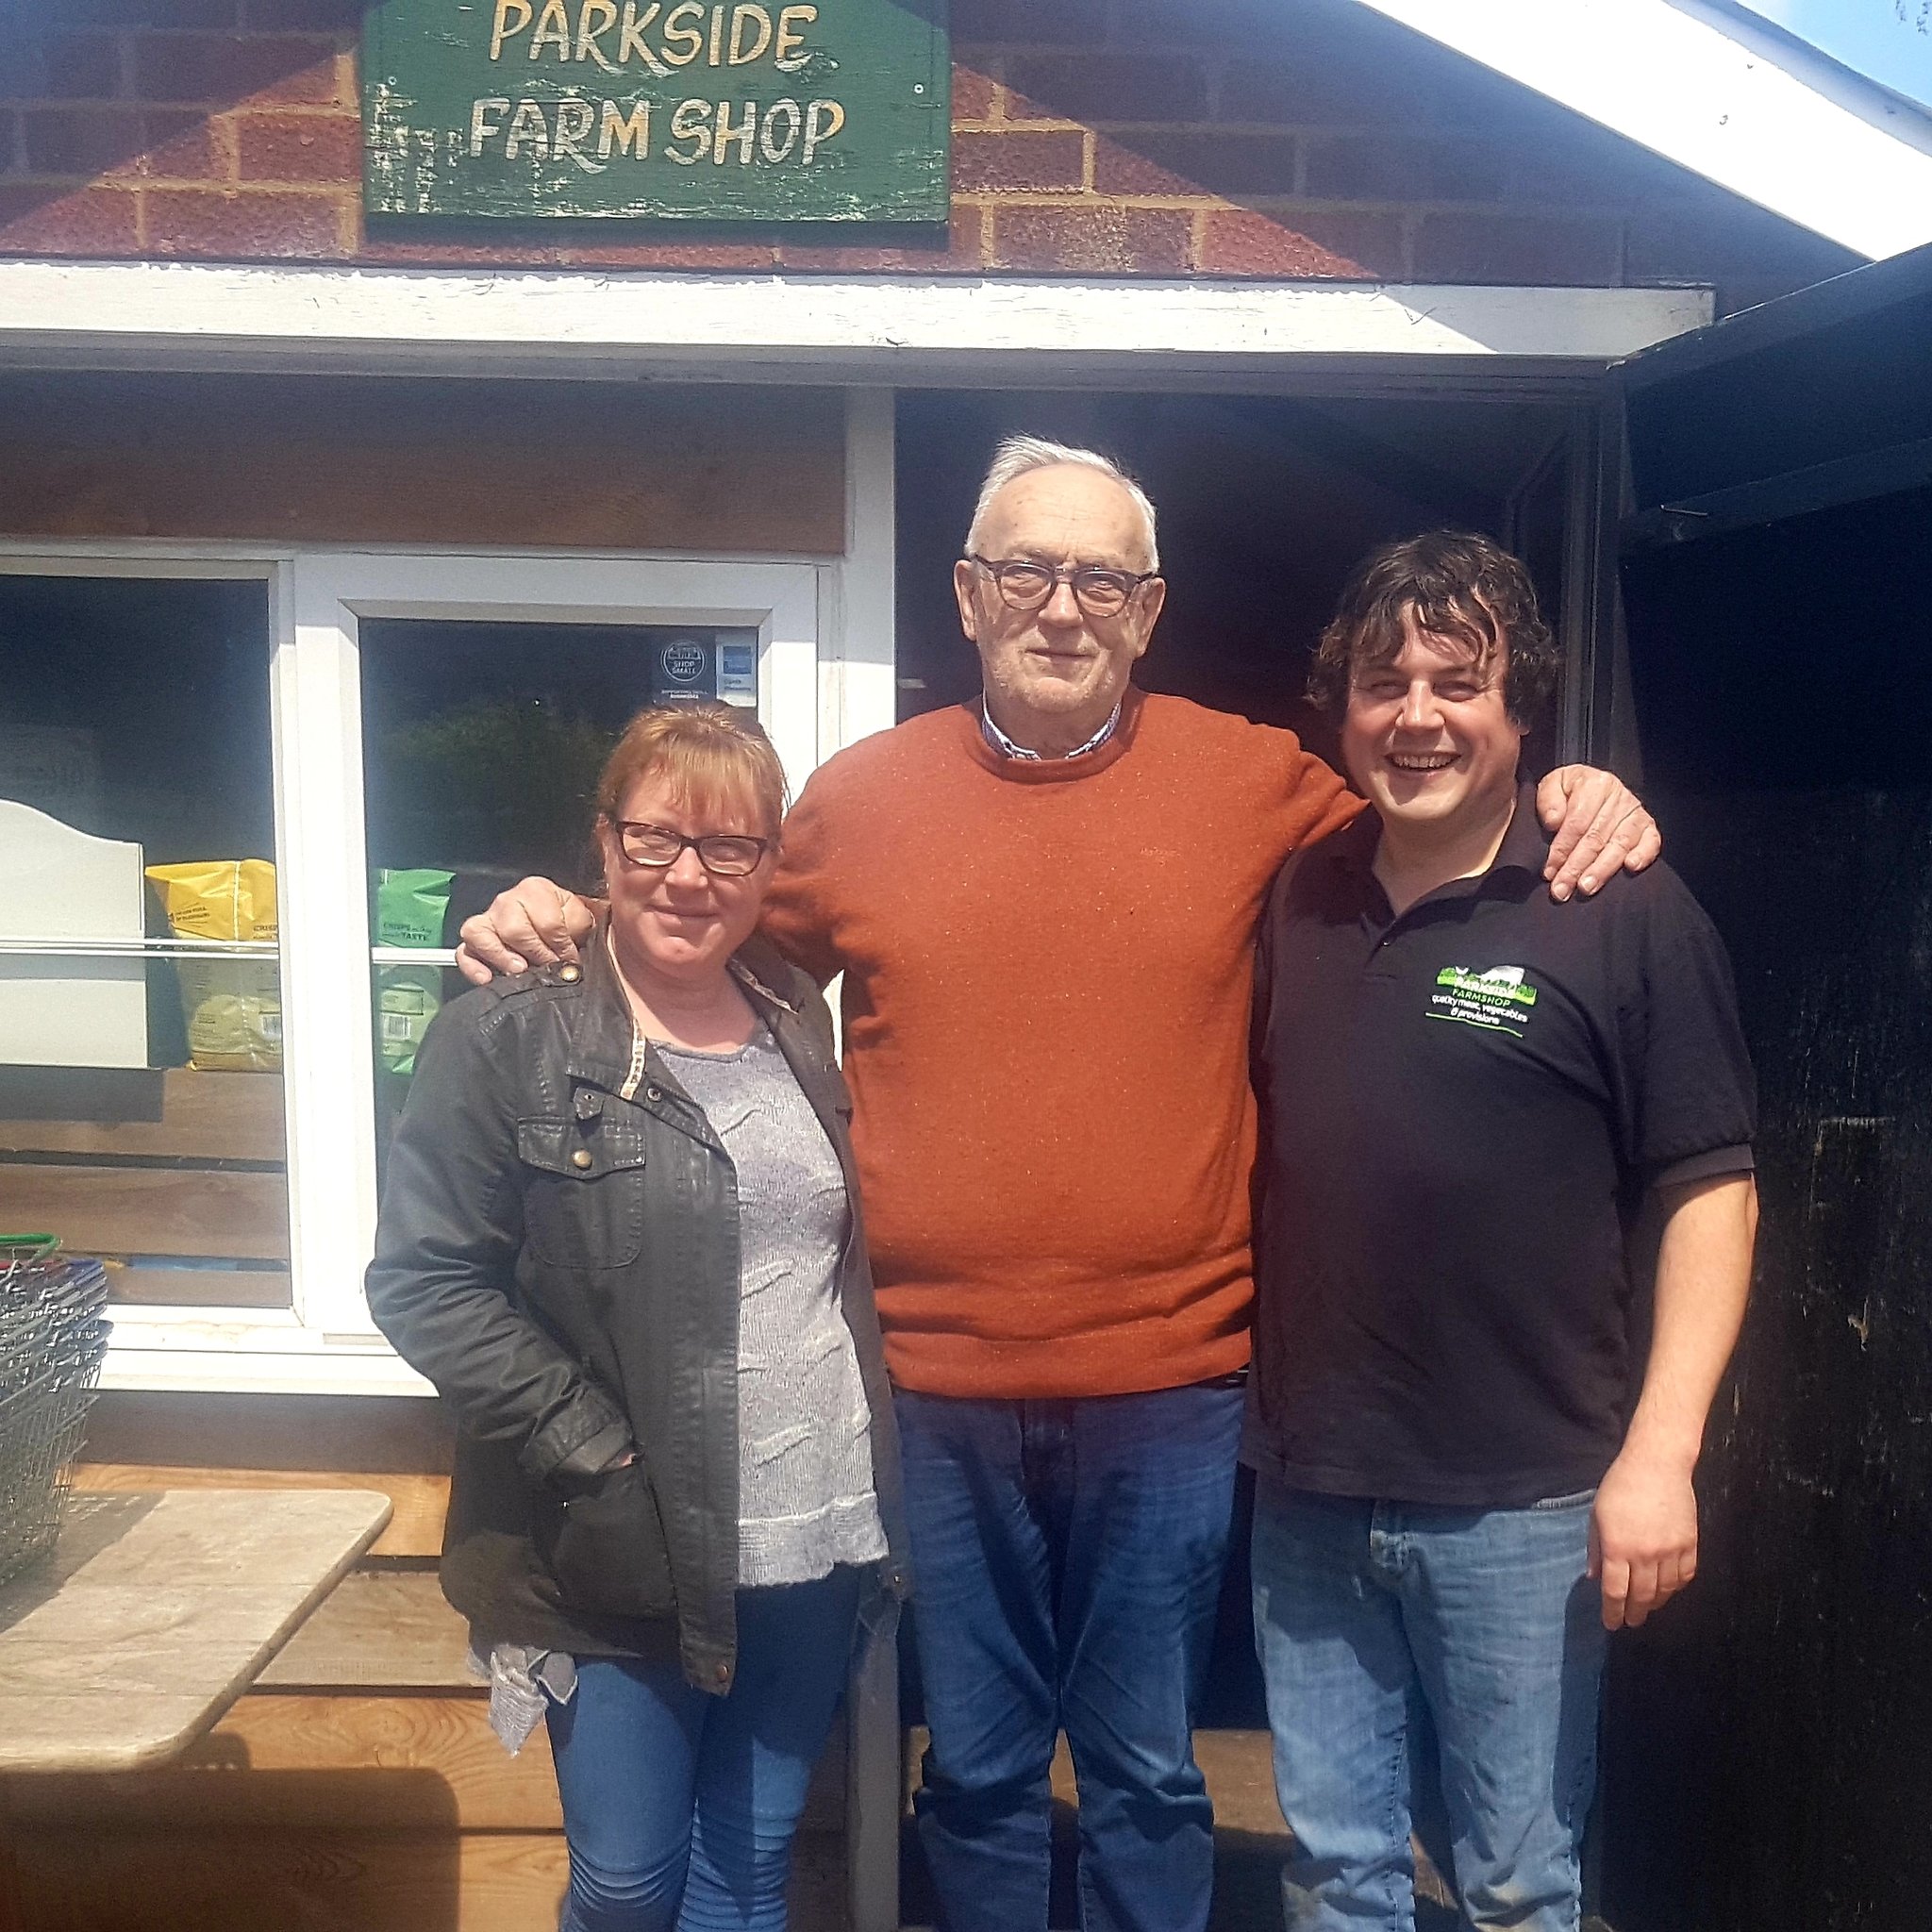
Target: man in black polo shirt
(1467,1091)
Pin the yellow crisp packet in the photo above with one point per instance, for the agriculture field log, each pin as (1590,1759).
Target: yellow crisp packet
(233,1007)
(219,898)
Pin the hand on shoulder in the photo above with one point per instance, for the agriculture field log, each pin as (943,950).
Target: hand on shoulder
(536,922)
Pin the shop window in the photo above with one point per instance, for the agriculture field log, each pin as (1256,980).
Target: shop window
(141,1044)
(481,748)
(204,757)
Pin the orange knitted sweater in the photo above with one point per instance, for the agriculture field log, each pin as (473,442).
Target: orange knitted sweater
(1048,970)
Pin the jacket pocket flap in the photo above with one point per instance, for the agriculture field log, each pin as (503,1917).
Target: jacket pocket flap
(563,1147)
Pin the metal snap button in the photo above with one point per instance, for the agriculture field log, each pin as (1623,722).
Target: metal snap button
(721,1674)
(653,1093)
(581,1157)
(570,975)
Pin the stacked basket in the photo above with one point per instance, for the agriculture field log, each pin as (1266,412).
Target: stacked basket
(53,1334)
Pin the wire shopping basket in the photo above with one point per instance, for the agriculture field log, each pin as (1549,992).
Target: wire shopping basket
(53,1334)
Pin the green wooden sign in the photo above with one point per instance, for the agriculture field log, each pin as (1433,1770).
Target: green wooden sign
(682,110)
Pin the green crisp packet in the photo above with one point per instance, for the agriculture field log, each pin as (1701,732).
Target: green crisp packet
(410,909)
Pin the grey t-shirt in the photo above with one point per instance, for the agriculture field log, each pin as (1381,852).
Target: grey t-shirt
(806,1499)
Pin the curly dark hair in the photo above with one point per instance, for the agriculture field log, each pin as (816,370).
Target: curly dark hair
(1459,586)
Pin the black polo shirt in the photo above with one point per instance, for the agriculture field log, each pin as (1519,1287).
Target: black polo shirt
(1460,1110)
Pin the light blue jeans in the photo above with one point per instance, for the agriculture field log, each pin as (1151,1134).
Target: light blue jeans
(679,1807)
(1375,1622)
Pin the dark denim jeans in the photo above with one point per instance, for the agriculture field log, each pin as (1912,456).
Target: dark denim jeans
(1379,1622)
(1067,1557)
(680,1807)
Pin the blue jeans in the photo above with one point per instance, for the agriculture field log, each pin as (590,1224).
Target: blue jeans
(1376,1620)
(1067,1557)
(679,1807)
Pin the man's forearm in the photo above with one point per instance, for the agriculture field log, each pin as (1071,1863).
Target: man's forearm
(1702,1281)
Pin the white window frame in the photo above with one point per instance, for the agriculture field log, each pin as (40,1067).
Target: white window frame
(825,679)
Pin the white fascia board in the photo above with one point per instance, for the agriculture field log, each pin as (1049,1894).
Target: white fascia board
(739,327)
(1672,81)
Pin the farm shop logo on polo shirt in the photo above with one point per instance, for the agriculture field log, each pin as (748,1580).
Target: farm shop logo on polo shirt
(1497,1000)
(682,110)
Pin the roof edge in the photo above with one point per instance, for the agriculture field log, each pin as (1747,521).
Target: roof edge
(1667,77)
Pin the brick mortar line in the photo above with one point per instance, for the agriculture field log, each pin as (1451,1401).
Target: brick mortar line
(1038,123)
(1020,128)
(1259,203)
(249,104)
(1278,130)
(1087,50)
(1070,202)
(235,191)
(315,37)
(213,119)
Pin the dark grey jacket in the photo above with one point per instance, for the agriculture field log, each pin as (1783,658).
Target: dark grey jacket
(563,1264)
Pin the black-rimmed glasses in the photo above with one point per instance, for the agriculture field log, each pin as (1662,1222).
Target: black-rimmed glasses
(726,855)
(1026,585)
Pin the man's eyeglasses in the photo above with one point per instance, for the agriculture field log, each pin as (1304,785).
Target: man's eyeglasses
(726,855)
(1025,585)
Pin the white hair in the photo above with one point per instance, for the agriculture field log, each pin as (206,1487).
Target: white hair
(1018,455)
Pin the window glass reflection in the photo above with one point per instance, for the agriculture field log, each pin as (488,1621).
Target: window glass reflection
(482,745)
(141,1022)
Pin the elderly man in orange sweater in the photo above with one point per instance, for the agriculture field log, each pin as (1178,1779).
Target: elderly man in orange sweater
(1044,908)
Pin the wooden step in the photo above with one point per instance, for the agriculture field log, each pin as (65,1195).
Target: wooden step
(419,1502)
(367,1718)
(401,1445)
(321,1763)
(314,1881)
(332,1881)
(382,1628)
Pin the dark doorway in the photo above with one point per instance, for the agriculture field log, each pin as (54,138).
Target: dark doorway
(1265,502)
(1770,1736)
(1768,1741)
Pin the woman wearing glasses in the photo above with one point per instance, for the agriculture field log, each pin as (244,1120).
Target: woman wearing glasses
(620,1235)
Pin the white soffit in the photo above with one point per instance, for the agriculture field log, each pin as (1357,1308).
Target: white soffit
(1671,81)
(174,315)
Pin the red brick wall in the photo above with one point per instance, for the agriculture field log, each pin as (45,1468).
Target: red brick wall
(1301,138)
